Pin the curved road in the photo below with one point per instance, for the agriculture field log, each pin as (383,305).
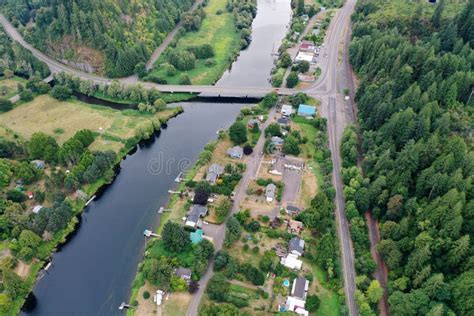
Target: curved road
(335,70)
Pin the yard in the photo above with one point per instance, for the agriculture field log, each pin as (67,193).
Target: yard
(219,31)
(9,86)
(63,119)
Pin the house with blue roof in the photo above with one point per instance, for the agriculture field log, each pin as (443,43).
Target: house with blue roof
(306,110)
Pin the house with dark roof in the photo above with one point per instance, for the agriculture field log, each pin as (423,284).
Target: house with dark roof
(277,141)
(196,212)
(283,121)
(214,172)
(292,210)
(270,192)
(296,246)
(300,288)
(235,152)
(184,273)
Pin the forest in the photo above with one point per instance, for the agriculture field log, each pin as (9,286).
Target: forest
(415,112)
(106,36)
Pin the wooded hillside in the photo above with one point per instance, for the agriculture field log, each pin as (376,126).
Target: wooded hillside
(416,70)
(102,35)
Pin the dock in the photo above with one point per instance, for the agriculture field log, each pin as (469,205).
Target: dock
(90,200)
(179,178)
(148,233)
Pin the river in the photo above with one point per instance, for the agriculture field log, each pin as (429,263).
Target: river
(92,273)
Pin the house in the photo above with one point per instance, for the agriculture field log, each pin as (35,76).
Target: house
(251,123)
(286,110)
(292,262)
(304,56)
(277,166)
(195,214)
(37,208)
(295,227)
(235,152)
(277,141)
(316,32)
(307,46)
(184,273)
(30,195)
(292,210)
(297,300)
(300,288)
(196,236)
(270,192)
(306,110)
(39,164)
(294,163)
(283,121)
(214,172)
(296,246)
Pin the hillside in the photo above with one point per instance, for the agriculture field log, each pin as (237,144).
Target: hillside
(104,36)
(415,62)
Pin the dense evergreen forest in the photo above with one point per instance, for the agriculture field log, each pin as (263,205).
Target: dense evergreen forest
(14,59)
(415,62)
(106,36)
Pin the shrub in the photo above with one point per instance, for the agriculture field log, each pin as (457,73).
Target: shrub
(26,95)
(146,295)
(184,80)
(61,92)
(5,105)
(248,150)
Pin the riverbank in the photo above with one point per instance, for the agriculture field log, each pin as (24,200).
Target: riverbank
(219,30)
(61,237)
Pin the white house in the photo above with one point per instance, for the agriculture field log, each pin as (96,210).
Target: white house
(286,110)
(292,262)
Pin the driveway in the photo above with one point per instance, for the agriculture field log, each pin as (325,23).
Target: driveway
(292,180)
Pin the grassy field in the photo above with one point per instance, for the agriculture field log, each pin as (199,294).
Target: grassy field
(62,119)
(9,87)
(219,31)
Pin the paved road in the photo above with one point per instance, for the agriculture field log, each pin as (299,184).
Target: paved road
(167,40)
(249,174)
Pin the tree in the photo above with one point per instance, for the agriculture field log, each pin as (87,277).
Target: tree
(221,260)
(5,105)
(300,7)
(270,100)
(285,60)
(292,80)
(436,18)
(218,288)
(193,287)
(462,289)
(26,95)
(238,132)
(61,92)
(175,238)
(158,271)
(291,146)
(12,283)
(184,80)
(202,192)
(248,150)
(273,129)
(140,69)
(312,303)
(303,66)
(374,292)
(5,303)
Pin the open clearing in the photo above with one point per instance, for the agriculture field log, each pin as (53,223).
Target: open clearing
(62,119)
(219,31)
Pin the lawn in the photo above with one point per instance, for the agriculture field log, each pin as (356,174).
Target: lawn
(219,31)
(9,87)
(62,119)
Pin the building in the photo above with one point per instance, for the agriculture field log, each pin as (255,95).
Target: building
(286,110)
(292,262)
(277,166)
(37,208)
(184,273)
(195,214)
(283,121)
(292,210)
(30,194)
(294,163)
(251,123)
(39,164)
(277,141)
(296,305)
(295,227)
(235,152)
(306,110)
(158,297)
(270,192)
(304,56)
(214,172)
(307,47)
(300,288)
(296,246)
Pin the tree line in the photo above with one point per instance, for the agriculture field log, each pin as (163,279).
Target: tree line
(416,82)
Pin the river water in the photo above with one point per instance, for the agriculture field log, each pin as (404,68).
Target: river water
(93,272)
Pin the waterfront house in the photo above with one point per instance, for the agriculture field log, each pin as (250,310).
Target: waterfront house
(270,192)
(296,246)
(286,110)
(235,152)
(306,110)
(214,172)
(196,212)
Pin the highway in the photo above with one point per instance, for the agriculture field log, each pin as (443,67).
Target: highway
(327,88)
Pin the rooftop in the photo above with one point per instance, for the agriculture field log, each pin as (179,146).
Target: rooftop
(300,288)
(270,190)
(296,244)
(305,109)
(196,237)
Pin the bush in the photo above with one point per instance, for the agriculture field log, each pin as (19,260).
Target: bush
(248,150)
(5,105)
(184,80)
(210,62)
(182,60)
(26,95)
(156,79)
(61,92)
(146,295)
(292,80)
